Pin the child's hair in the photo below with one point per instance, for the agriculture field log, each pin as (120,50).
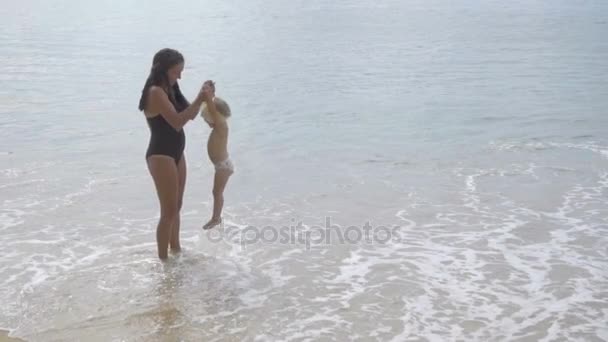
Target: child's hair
(221,105)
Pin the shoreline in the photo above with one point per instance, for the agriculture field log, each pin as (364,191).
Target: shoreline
(4,337)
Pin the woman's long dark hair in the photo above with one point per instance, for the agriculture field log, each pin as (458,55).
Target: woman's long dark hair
(164,60)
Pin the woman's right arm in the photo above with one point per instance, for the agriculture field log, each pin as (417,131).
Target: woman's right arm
(161,103)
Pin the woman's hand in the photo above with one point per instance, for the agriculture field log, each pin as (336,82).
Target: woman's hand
(211,84)
(208,90)
(200,97)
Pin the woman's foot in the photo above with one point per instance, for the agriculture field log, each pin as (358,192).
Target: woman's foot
(212,223)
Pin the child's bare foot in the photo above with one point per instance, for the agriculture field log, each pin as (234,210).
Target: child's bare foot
(212,223)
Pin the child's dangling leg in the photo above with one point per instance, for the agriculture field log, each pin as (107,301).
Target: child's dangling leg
(219,184)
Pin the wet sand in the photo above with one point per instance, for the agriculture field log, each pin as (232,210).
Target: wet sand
(4,337)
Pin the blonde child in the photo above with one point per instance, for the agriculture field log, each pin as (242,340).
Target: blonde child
(215,112)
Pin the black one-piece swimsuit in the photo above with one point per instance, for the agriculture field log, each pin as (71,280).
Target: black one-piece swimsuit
(164,139)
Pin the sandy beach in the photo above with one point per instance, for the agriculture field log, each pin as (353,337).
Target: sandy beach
(419,170)
(4,337)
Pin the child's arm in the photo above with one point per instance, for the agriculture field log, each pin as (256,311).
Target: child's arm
(219,121)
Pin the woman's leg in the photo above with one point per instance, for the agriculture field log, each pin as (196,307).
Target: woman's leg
(165,175)
(174,243)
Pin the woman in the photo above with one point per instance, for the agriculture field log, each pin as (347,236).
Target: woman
(167,111)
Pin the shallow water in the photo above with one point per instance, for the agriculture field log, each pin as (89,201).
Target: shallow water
(471,137)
